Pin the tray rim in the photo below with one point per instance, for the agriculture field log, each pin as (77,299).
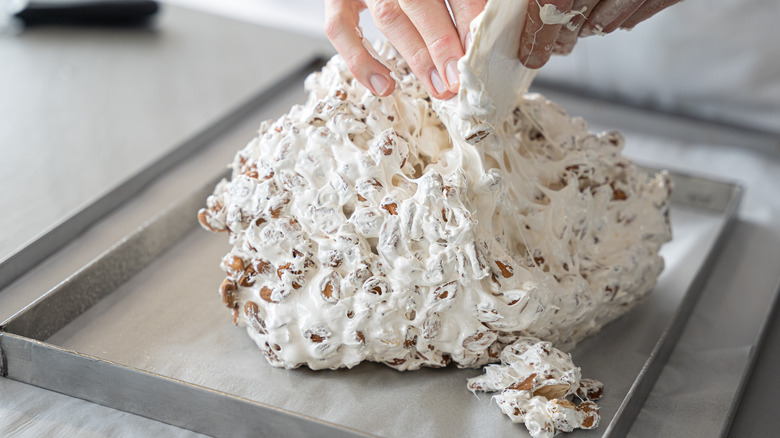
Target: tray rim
(264,419)
(14,265)
(648,375)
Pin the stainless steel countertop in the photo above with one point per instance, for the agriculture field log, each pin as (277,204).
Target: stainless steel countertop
(84,109)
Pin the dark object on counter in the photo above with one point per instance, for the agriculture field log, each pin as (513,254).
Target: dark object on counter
(84,12)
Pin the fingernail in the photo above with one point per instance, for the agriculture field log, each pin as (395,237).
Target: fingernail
(379,83)
(589,29)
(451,69)
(469,39)
(525,54)
(533,61)
(586,31)
(438,84)
(564,49)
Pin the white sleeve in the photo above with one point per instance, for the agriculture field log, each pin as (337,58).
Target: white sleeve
(717,59)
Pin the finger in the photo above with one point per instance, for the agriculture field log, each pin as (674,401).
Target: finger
(567,36)
(537,39)
(397,27)
(608,15)
(433,22)
(647,10)
(341,24)
(465,11)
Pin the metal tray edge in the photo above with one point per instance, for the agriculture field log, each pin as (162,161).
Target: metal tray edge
(52,239)
(54,309)
(127,389)
(639,391)
(758,345)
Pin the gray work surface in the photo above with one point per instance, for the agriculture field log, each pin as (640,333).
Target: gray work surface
(82,110)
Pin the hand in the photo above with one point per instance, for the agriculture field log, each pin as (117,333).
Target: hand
(431,43)
(420,30)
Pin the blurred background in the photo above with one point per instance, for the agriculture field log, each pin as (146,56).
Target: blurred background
(717,59)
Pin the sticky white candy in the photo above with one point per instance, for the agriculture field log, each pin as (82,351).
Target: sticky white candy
(361,230)
(538,385)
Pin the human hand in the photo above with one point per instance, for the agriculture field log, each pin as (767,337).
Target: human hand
(425,35)
(420,30)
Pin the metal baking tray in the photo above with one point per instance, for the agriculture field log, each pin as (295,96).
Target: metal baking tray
(141,329)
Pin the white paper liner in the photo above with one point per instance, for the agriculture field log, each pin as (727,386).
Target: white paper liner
(169,320)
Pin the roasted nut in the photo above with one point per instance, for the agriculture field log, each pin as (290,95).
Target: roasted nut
(252,312)
(617,194)
(591,412)
(479,341)
(248,277)
(317,334)
(228,291)
(263,267)
(476,137)
(282,268)
(234,264)
(445,291)
(392,208)
(590,389)
(525,384)
(376,285)
(203,218)
(265,294)
(552,391)
(330,288)
(506,269)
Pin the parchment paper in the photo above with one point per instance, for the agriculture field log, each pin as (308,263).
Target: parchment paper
(169,320)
